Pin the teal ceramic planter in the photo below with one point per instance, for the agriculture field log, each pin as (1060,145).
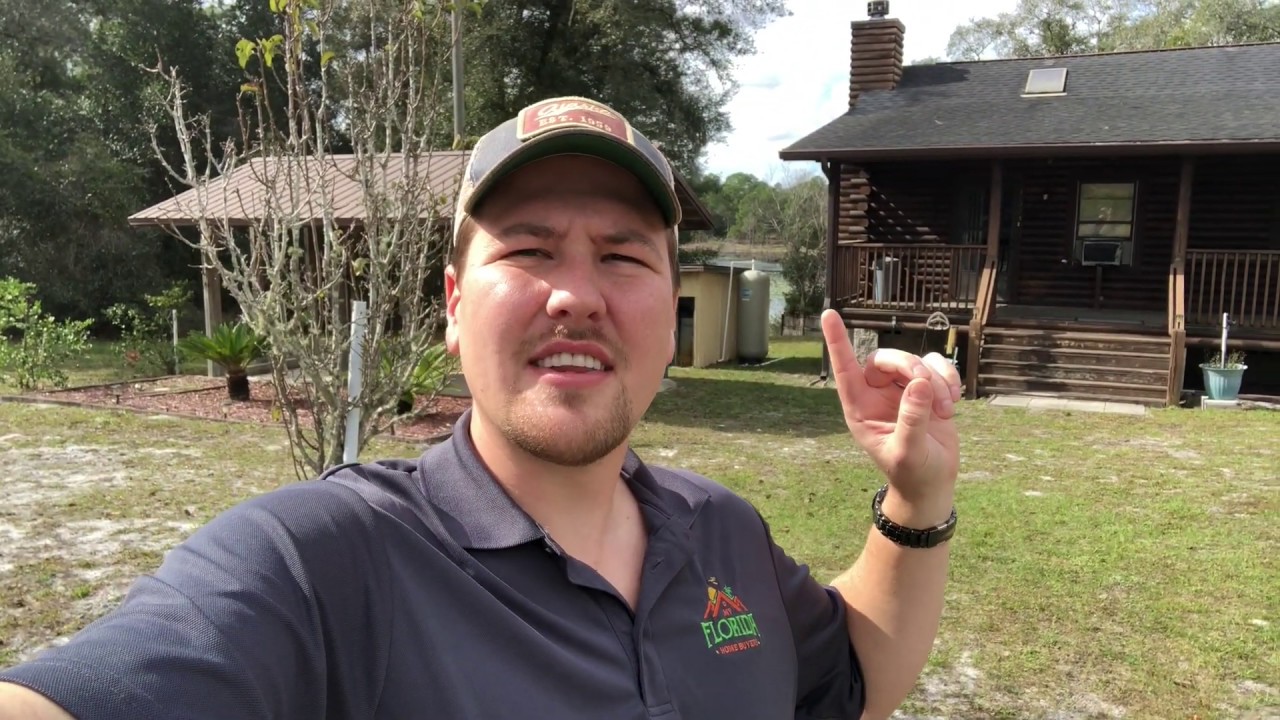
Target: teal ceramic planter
(1223,383)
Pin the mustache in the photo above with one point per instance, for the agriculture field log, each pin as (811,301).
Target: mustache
(589,334)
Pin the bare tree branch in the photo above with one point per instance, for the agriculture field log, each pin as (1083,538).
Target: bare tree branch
(285,244)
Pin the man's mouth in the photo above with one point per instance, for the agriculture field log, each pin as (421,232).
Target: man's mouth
(570,362)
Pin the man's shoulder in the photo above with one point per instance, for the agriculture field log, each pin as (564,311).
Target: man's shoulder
(336,501)
(702,491)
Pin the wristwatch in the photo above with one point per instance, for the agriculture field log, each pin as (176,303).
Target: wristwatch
(910,537)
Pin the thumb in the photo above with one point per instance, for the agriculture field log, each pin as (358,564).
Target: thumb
(913,415)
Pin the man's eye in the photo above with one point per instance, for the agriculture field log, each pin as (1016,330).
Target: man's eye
(528,252)
(626,258)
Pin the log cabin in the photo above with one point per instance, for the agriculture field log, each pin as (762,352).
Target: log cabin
(1082,221)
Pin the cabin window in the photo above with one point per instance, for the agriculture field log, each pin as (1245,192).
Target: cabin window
(1104,224)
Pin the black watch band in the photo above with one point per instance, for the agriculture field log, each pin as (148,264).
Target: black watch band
(910,537)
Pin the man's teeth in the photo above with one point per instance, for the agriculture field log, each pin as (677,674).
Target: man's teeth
(570,360)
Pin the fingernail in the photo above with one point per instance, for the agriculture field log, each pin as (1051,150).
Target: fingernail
(921,371)
(918,391)
(955,393)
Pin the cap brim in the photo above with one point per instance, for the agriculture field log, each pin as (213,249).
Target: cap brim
(584,142)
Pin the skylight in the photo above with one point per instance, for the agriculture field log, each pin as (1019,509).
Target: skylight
(1046,81)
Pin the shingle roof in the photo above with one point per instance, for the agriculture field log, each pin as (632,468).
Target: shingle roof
(241,198)
(1197,95)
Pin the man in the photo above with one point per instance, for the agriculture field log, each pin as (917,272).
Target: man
(533,566)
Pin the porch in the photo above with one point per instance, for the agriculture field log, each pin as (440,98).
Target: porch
(1117,252)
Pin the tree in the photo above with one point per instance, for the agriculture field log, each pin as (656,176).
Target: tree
(75,160)
(293,278)
(794,214)
(1037,28)
(1061,27)
(1189,23)
(665,64)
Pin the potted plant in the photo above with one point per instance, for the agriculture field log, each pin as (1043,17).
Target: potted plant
(1222,374)
(234,347)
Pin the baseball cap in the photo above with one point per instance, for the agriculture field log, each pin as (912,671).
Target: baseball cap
(566,126)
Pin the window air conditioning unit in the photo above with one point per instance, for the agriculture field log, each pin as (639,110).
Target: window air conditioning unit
(1101,252)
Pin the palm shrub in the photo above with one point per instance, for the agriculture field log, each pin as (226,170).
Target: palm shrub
(234,348)
(428,378)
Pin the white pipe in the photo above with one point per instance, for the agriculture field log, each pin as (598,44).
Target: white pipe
(355,376)
(1225,319)
(728,303)
(177,361)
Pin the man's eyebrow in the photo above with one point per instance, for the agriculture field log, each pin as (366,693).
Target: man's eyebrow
(542,232)
(631,237)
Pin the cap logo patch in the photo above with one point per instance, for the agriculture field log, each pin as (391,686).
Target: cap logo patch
(571,112)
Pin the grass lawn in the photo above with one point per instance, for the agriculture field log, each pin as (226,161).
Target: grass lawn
(1105,565)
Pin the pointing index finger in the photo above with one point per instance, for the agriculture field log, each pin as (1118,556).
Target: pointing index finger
(844,363)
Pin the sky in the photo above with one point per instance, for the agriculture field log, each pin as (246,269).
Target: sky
(798,79)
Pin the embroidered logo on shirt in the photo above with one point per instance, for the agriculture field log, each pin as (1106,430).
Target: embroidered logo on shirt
(727,625)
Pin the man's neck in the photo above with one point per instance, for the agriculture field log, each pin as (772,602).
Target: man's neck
(576,505)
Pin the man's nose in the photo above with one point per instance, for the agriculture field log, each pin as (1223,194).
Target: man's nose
(575,290)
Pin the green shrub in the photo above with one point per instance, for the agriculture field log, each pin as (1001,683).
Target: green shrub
(146,334)
(34,347)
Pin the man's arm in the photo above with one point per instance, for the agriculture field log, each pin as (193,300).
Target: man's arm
(240,620)
(895,598)
(19,703)
(901,409)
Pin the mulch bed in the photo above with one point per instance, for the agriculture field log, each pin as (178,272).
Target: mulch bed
(195,396)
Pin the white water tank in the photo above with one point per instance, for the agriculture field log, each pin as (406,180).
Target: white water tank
(753,316)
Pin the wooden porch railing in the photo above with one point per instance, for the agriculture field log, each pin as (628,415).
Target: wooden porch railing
(1243,283)
(1177,331)
(909,276)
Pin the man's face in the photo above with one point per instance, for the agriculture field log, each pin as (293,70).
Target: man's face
(564,315)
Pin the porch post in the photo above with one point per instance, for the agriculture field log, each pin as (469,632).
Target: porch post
(1177,284)
(1182,228)
(986,287)
(832,170)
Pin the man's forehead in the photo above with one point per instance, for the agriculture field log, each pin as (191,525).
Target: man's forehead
(532,194)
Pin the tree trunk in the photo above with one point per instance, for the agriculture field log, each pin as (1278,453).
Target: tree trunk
(238,385)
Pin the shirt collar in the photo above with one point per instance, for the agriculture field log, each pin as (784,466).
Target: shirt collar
(482,516)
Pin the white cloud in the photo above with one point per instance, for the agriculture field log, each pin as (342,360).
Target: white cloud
(798,79)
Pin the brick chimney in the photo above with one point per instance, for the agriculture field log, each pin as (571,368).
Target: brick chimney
(875,59)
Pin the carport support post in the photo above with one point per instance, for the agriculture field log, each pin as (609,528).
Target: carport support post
(211,282)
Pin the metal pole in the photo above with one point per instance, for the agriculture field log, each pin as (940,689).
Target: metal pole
(457,78)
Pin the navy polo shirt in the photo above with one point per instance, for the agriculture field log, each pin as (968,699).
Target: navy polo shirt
(405,589)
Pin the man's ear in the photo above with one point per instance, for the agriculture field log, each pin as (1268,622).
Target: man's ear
(452,299)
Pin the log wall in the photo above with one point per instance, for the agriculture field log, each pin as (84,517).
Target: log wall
(1235,204)
(1045,275)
